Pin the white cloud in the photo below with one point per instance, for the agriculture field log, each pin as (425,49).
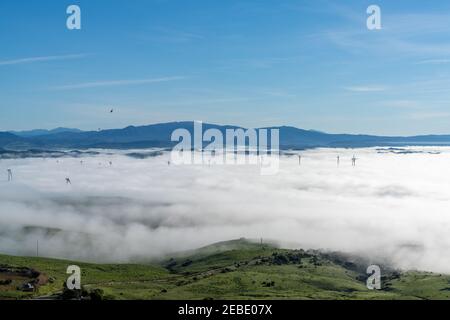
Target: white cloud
(112,83)
(404,34)
(162,34)
(393,206)
(365,88)
(41,59)
(434,61)
(429,115)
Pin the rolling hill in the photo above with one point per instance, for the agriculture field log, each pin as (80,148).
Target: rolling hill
(239,269)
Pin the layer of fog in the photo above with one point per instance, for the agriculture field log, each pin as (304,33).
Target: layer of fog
(394,206)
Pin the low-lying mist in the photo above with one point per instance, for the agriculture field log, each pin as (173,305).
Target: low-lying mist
(392,205)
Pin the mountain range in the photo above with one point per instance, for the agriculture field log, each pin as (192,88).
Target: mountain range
(42,132)
(159,135)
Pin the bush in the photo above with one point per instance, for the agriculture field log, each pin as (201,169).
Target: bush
(5,282)
(96,295)
(280,259)
(83,294)
(187,263)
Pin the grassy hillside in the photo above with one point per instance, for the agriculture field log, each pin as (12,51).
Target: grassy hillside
(237,269)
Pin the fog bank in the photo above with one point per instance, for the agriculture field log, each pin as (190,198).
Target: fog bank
(391,205)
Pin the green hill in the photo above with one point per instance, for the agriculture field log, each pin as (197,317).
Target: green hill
(239,269)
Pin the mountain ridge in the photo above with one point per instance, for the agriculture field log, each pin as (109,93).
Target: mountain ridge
(41,132)
(159,134)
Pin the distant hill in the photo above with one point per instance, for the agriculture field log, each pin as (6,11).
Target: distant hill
(42,132)
(158,135)
(9,139)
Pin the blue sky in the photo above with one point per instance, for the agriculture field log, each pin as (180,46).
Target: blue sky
(311,64)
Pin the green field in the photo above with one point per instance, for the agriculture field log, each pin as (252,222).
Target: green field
(238,269)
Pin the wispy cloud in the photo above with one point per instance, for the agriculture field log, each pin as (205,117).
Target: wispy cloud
(402,104)
(256,63)
(365,88)
(166,35)
(41,59)
(412,34)
(96,84)
(434,61)
(429,115)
